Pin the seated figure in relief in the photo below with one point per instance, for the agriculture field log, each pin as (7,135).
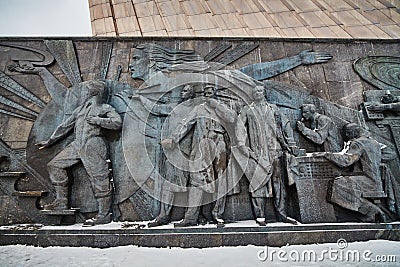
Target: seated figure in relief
(355,190)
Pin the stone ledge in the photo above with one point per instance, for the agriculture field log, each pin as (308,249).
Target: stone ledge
(199,237)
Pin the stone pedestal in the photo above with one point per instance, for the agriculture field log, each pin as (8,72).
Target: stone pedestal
(236,234)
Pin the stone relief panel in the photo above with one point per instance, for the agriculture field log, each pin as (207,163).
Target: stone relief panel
(198,131)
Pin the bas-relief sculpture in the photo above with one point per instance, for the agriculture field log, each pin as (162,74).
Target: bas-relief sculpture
(199,138)
(208,154)
(88,147)
(382,118)
(323,131)
(271,142)
(355,190)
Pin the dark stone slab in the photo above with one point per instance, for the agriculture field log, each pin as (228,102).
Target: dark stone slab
(200,237)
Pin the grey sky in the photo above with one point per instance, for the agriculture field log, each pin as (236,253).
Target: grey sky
(44,18)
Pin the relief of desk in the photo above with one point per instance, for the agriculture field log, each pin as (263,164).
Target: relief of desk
(314,174)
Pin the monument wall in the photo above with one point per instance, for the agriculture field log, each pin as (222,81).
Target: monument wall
(46,82)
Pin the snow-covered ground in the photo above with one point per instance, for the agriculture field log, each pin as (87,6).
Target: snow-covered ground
(325,255)
(341,253)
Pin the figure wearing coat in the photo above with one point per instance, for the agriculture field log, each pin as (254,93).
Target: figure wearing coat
(88,146)
(208,157)
(267,133)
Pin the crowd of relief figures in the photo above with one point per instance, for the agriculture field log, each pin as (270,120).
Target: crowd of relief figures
(193,132)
